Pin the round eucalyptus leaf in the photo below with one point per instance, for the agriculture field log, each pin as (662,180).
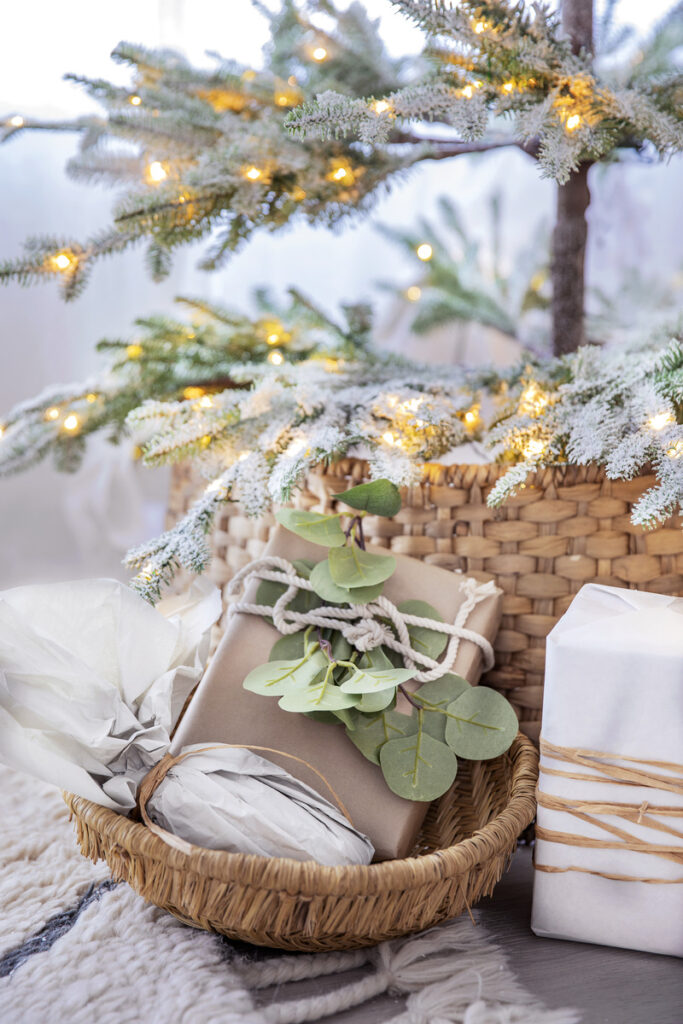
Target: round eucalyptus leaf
(481,724)
(371,703)
(325,587)
(317,697)
(351,567)
(279,677)
(328,717)
(318,527)
(425,641)
(435,697)
(418,767)
(371,732)
(288,648)
(379,498)
(372,680)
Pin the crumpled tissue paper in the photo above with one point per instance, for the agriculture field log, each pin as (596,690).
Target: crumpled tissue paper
(230,798)
(93,680)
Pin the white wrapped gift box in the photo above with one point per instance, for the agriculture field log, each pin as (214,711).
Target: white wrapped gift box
(609,851)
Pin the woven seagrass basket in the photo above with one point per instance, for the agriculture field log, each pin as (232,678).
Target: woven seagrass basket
(569,526)
(463,849)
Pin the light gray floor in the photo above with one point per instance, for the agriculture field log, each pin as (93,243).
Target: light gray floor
(610,986)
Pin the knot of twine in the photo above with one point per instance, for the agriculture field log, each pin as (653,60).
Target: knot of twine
(365,626)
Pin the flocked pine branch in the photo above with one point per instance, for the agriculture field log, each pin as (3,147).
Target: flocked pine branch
(185,364)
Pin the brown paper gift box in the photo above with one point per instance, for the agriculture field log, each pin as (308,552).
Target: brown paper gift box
(223,712)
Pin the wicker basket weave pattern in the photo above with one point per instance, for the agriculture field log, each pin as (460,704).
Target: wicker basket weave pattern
(568,526)
(465,846)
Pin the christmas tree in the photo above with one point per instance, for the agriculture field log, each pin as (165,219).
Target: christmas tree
(317,136)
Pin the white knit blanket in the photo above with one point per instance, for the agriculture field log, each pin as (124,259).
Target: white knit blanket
(77,949)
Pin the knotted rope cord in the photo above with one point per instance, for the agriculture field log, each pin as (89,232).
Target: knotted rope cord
(361,624)
(634,772)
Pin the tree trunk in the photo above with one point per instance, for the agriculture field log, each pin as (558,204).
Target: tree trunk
(571,229)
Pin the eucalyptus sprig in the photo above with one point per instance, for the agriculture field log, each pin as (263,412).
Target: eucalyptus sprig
(318,673)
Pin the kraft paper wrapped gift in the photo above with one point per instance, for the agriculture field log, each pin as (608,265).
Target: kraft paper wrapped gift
(223,712)
(609,851)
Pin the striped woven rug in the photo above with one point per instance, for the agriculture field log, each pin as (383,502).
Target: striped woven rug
(77,948)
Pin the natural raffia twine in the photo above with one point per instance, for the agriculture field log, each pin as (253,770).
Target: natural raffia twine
(635,772)
(158,773)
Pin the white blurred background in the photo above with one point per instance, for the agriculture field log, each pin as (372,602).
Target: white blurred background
(57,526)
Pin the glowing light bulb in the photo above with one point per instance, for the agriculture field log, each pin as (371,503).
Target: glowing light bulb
(532,401)
(91,397)
(206,402)
(380,106)
(17,121)
(52,413)
(297,446)
(214,487)
(413,293)
(467,92)
(242,456)
(392,401)
(573,122)
(135,101)
(156,171)
(62,261)
(471,416)
(479,27)
(388,437)
(71,423)
(424,251)
(2,429)
(193,392)
(205,441)
(533,449)
(273,339)
(508,87)
(253,173)
(319,54)
(282,100)
(276,358)
(341,172)
(133,351)
(661,420)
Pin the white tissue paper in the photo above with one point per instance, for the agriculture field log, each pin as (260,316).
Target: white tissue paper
(614,684)
(233,799)
(93,679)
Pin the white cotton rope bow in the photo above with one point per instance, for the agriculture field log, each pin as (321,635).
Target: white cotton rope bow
(361,624)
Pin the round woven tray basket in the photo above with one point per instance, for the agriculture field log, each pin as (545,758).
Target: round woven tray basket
(568,526)
(464,847)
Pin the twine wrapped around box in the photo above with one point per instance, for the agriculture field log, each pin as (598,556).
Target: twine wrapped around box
(570,525)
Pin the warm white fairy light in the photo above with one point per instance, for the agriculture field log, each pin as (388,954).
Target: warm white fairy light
(573,122)
(413,293)
(471,417)
(135,101)
(533,400)
(253,173)
(17,121)
(71,423)
(319,54)
(424,252)
(156,171)
(206,402)
(242,456)
(276,358)
(533,449)
(62,261)
(389,438)
(661,420)
(467,91)
(381,106)
(52,413)
(508,87)
(91,397)
(133,351)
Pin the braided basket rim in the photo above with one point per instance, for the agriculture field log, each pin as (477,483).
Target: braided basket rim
(308,878)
